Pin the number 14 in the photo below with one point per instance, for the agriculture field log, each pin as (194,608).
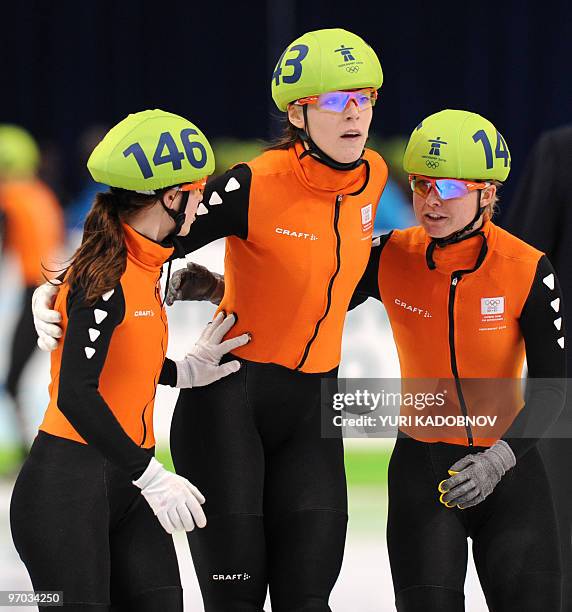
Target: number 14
(501,150)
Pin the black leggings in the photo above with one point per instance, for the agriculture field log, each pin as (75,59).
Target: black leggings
(23,343)
(80,526)
(275,488)
(22,348)
(557,456)
(515,542)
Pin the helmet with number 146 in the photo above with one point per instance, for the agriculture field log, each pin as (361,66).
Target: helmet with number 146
(151,150)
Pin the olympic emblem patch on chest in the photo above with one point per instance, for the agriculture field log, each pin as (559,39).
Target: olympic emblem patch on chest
(493,314)
(367,218)
(492,306)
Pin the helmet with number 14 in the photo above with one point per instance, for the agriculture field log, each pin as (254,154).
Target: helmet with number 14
(457,144)
(451,154)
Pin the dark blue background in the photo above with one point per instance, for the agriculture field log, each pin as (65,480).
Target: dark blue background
(66,65)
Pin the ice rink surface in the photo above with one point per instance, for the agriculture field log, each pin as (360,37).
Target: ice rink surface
(368,351)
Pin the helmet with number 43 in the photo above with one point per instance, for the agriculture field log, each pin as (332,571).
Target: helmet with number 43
(323,61)
(457,144)
(151,150)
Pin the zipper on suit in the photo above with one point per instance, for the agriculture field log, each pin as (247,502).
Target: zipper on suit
(455,278)
(158,298)
(330,284)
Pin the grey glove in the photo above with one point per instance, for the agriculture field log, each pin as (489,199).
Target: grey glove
(195,283)
(474,477)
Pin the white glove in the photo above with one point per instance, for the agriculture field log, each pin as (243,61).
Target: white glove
(173,499)
(45,317)
(201,366)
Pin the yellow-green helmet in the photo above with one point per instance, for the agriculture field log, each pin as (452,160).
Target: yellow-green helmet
(457,144)
(151,150)
(19,153)
(322,61)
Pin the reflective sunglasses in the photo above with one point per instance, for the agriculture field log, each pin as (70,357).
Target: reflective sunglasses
(200,185)
(446,188)
(336,101)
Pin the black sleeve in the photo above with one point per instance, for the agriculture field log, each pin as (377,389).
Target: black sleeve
(542,326)
(85,348)
(368,285)
(224,210)
(168,373)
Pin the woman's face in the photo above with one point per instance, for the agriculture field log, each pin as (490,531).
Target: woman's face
(173,199)
(342,136)
(441,218)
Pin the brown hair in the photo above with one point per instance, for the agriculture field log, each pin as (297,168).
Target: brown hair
(287,139)
(100,261)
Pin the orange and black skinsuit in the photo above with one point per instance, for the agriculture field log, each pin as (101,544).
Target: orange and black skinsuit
(298,241)
(464,316)
(78,522)
(33,230)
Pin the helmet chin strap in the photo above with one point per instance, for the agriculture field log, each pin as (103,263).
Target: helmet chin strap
(315,152)
(179,219)
(458,236)
(462,233)
(177,216)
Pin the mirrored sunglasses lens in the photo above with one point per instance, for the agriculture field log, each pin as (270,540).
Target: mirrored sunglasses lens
(420,187)
(333,101)
(364,100)
(449,189)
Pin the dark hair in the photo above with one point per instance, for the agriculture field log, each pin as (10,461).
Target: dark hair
(287,139)
(100,261)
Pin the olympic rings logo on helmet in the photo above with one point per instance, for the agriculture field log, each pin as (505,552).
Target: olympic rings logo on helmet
(321,61)
(475,147)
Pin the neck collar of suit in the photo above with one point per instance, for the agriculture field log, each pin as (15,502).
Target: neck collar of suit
(319,176)
(146,252)
(465,255)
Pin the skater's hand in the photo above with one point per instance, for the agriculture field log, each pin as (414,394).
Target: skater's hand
(46,319)
(195,283)
(201,366)
(174,500)
(474,477)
